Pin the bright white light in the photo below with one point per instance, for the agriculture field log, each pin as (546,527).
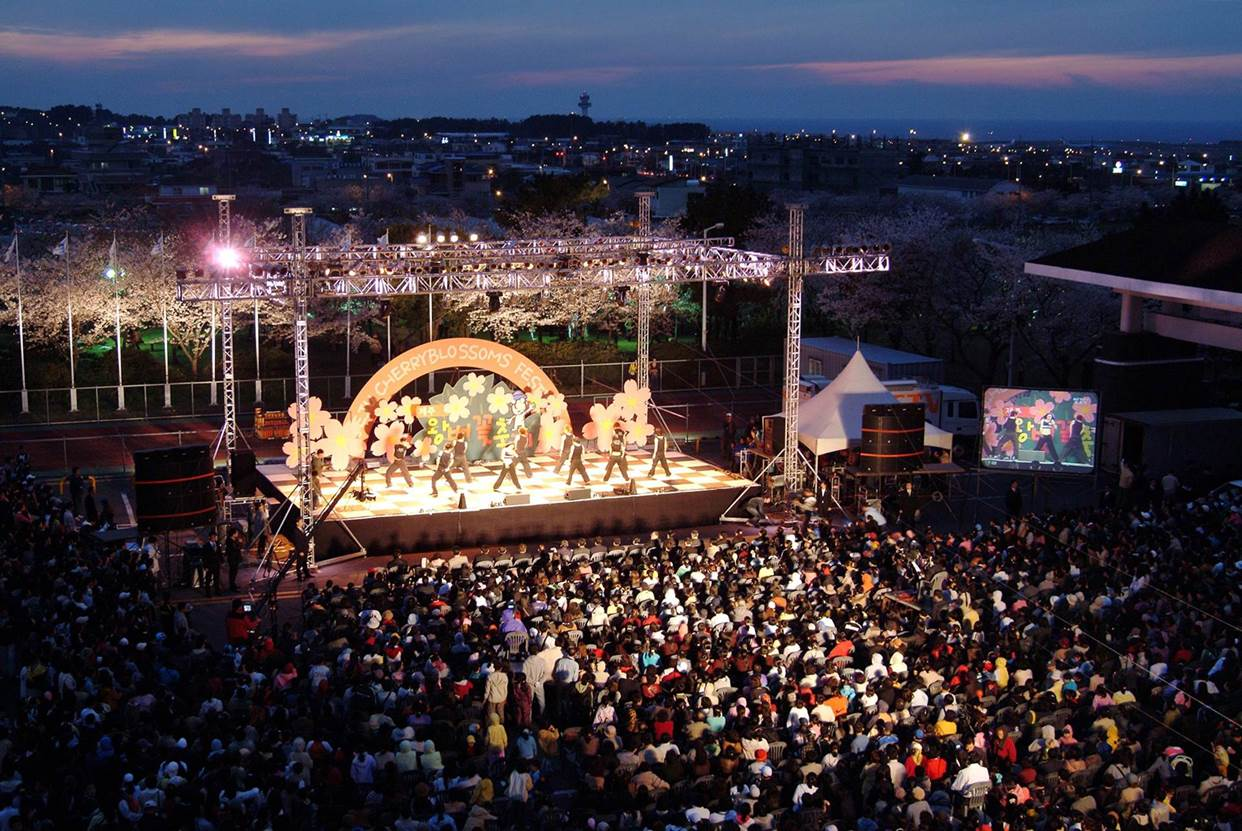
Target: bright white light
(421,239)
(439,237)
(452,238)
(965,137)
(226,257)
(474,237)
(110,273)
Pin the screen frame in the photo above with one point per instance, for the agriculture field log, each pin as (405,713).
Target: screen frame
(1015,467)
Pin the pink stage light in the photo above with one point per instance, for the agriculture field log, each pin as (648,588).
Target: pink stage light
(226,258)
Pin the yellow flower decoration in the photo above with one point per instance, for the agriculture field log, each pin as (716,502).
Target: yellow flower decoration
(474,384)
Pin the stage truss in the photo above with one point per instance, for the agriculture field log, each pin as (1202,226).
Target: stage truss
(292,274)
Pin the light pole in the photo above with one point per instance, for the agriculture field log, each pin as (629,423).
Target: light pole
(703,304)
(113,275)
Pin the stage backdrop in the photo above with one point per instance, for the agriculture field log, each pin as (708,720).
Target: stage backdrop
(487,410)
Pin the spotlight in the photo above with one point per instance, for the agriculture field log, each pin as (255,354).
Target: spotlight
(439,237)
(226,257)
(452,238)
(474,237)
(421,239)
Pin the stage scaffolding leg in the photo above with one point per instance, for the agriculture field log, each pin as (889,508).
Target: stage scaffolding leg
(758,479)
(230,396)
(793,354)
(642,360)
(300,301)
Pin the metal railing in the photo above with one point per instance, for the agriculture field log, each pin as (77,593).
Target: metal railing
(195,398)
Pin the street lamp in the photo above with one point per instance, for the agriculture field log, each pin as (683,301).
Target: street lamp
(703,302)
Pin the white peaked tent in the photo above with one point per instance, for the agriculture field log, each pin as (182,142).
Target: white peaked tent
(832,420)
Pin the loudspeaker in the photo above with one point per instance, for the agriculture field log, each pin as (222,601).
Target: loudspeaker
(517,499)
(174,488)
(892,438)
(578,493)
(774,435)
(245,477)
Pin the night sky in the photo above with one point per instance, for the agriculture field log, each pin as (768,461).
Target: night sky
(1148,60)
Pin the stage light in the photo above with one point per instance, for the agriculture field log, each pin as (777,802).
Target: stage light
(439,237)
(452,238)
(474,237)
(226,257)
(421,239)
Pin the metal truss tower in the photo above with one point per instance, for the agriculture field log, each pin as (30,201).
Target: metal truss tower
(642,361)
(224,237)
(793,352)
(300,289)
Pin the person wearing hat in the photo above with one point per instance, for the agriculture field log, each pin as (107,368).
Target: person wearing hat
(616,455)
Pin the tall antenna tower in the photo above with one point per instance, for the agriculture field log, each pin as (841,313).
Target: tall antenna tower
(584,104)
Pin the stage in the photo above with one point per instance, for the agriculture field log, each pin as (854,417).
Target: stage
(410,519)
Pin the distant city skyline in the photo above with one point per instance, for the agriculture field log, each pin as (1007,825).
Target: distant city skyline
(728,61)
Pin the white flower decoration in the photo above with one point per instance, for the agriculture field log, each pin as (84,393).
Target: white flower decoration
(474,384)
(290,449)
(386,411)
(632,400)
(408,410)
(499,402)
(386,438)
(457,408)
(341,443)
(318,417)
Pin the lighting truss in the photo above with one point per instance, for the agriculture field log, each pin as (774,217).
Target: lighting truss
(293,274)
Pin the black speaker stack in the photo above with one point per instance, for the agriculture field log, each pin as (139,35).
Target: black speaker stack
(892,438)
(245,475)
(174,488)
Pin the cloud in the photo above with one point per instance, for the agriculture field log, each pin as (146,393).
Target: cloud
(1034,71)
(75,48)
(561,77)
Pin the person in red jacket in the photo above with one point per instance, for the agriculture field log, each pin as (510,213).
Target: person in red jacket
(1003,748)
(238,624)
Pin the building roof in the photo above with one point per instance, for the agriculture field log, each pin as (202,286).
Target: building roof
(1180,261)
(871,352)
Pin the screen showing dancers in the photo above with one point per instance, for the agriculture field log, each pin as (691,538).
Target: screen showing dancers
(1039,430)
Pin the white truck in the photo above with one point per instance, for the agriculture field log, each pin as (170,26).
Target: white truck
(949,408)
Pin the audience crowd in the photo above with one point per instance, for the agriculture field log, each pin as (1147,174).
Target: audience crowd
(1071,672)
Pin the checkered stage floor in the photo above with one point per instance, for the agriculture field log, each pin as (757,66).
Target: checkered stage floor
(545,486)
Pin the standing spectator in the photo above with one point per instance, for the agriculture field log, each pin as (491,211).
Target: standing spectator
(1013,500)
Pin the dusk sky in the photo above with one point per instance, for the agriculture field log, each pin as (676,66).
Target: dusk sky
(1144,60)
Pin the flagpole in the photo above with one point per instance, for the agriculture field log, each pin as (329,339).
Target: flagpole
(73,384)
(21,323)
(116,299)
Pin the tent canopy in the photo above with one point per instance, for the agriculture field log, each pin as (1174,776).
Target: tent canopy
(832,420)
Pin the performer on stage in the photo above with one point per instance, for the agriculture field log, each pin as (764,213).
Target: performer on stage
(659,450)
(1048,426)
(1008,430)
(567,446)
(508,467)
(1074,449)
(616,455)
(522,447)
(444,470)
(460,462)
(400,462)
(575,461)
(319,465)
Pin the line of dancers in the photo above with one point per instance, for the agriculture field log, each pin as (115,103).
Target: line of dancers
(517,454)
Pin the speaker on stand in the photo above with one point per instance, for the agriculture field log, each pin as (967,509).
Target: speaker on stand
(892,438)
(245,474)
(174,488)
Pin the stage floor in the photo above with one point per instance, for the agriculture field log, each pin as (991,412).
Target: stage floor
(404,517)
